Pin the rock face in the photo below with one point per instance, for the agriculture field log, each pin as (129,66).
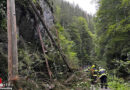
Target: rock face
(47,13)
(27,21)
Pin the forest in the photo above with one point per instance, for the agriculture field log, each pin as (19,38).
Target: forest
(57,41)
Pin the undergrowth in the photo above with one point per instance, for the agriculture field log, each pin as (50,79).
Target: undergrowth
(115,83)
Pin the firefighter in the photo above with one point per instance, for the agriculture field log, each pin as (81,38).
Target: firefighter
(93,74)
(103,77)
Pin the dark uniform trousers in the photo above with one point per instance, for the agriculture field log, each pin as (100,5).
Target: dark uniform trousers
(103,81)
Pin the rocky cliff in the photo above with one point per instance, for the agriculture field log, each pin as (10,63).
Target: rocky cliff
(31,59)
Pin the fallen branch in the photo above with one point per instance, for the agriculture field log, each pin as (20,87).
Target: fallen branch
(70,78)
(43,49)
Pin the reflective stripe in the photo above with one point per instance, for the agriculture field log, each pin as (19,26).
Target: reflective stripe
(102,71)
(96,72)
(102,75)
(94,75)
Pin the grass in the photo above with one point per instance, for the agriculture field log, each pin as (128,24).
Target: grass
(117,84)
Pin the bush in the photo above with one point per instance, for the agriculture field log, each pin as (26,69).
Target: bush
(117,83)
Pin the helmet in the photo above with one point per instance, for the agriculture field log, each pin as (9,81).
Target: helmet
(100,67)
(93,66)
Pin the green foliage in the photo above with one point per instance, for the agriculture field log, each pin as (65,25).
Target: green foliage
(117,84)
(58,13)
(3,14)
(113,34)
(83,84)
(24,62)
(82,36)
(34,1)
(66,46)
(4,24)
(78,30)
(125,2)
(3,63)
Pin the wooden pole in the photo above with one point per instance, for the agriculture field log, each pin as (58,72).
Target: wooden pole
(9,41)
(12,40)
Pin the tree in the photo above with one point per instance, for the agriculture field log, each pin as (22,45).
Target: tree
(113,31)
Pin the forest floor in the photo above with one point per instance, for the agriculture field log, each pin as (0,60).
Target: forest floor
(81,81)
(103,89)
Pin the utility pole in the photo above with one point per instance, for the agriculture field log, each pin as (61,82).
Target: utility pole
(12,40)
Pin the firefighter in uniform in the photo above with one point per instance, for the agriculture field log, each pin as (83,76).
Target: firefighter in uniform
(103,77)
(93,74)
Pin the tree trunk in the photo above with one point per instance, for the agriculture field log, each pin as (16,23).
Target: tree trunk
(12,40)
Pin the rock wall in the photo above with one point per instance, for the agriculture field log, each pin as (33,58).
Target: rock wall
(28,40)
(27,21)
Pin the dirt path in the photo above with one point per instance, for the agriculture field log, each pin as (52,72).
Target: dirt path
(104,89)
(94,88)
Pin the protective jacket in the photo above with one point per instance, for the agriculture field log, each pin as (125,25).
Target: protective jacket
(95,73)
(102,72)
